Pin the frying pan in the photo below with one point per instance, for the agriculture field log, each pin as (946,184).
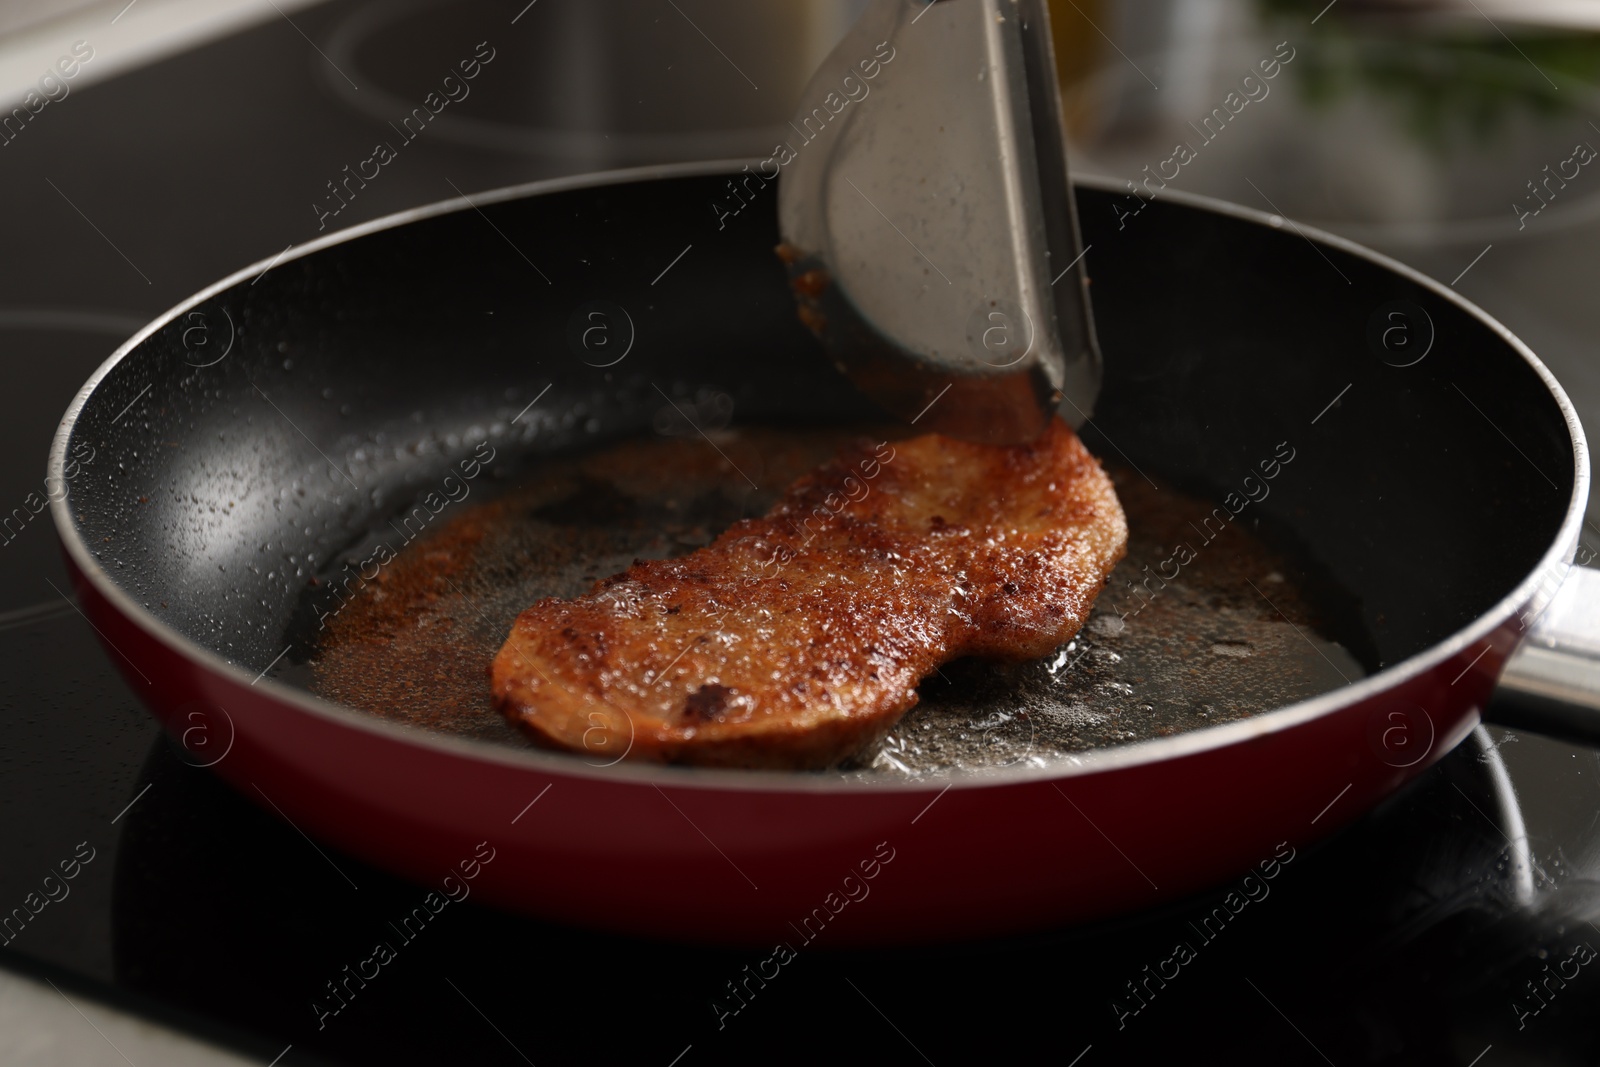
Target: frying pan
(325,390)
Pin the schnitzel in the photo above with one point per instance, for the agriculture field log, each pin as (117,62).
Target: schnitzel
(797,640)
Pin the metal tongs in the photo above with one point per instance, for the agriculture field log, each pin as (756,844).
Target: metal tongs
(928,226)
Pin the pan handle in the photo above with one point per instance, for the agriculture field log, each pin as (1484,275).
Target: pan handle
(1551,683)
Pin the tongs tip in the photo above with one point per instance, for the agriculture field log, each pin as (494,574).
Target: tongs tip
(921,213)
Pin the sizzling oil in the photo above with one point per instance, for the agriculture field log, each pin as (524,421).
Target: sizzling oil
(1231,635)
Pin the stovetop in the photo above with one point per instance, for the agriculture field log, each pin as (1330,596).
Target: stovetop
(1456,924)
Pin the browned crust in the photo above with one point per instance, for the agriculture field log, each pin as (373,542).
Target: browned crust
(798,639)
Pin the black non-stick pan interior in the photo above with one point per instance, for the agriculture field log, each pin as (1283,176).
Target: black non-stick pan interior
(356,377)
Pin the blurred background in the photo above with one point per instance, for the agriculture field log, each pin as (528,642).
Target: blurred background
(193,137)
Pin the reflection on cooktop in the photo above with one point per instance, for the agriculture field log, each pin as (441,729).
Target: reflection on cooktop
(622,82)
(1425,934)
(53,350)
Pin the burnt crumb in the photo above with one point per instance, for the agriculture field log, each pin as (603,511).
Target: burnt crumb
(707,703)
(813,320)
(1010,588)
(813,283)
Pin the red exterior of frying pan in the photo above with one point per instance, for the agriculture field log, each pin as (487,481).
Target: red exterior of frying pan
(711,861)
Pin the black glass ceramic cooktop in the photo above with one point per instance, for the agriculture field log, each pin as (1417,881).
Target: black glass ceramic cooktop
(1454,925)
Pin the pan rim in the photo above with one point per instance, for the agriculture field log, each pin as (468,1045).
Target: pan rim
(1533,589)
